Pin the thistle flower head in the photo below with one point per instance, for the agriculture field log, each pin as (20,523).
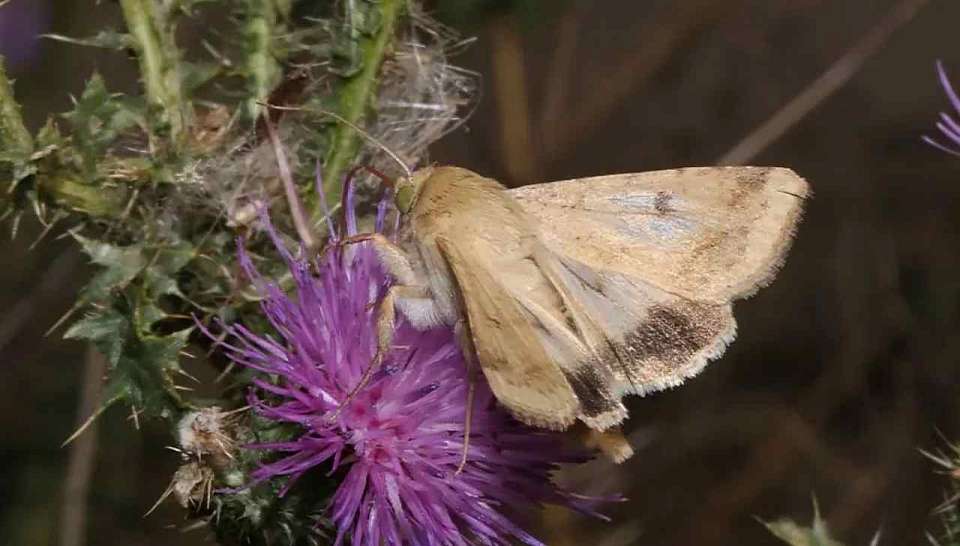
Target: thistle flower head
(398,443)
(947,125)
(20,25)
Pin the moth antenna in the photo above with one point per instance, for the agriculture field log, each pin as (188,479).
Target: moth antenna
(383,178)
(353,126)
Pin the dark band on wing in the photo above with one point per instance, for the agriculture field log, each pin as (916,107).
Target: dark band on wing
(592,390)
(675,334)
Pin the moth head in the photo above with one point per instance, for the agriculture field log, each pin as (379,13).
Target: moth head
(408,189)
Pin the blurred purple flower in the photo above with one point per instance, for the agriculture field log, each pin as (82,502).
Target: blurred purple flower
(21,23)
(401,438)
(948,127)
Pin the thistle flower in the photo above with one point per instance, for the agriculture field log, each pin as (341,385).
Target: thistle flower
(947,126)
(21,23)
(398,443)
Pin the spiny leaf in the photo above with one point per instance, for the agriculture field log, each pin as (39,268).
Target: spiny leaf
(16,145)
(173,257)
(143,374)
(49,136)
(98,118)
(795,534)
(166,263)
(107,329)
(120,266)
(107,39)
(159,280)
(198,74)
(141,366)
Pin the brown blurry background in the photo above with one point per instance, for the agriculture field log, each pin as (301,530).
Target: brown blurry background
(844,367)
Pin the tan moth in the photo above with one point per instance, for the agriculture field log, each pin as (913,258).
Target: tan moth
(569,295)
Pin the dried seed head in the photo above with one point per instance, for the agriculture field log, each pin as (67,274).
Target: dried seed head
(192,485)
(208,432)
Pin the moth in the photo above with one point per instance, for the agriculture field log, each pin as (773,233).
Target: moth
(570,295)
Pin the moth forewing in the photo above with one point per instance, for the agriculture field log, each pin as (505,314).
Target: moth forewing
(708,234)
(516,363)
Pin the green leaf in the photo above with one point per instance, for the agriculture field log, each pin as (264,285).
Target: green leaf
(120,266)
(143,375)
(107,329)
(174,257)
(795,534)
(198,74)
(108,39)
(141,366)
(98,118)
(16,144)
(49,137)
(147,314)
(159,280)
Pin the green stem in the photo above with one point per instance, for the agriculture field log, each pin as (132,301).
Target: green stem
(13,133)
(265,20)
(160,70)
(356,94)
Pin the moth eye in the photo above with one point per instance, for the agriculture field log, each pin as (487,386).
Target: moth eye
(404,197)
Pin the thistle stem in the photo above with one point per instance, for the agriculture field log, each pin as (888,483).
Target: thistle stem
(355,96)
(264,21)
(160,69)
(13,133)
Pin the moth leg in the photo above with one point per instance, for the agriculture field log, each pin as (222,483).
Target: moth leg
(354,239)
(391,256)
(470,360)
(386,323)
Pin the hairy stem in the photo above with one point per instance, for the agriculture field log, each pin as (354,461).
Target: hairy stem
(265,20)
(356,93)
(13,134)
(160,68)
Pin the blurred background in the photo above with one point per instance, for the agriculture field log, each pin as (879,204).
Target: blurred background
(844,367)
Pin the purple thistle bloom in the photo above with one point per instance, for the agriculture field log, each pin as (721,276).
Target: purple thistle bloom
(400,440)
(948,127)
(21,23)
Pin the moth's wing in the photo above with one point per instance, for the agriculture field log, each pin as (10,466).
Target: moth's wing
(651,339)
(535,364)
(708,234)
